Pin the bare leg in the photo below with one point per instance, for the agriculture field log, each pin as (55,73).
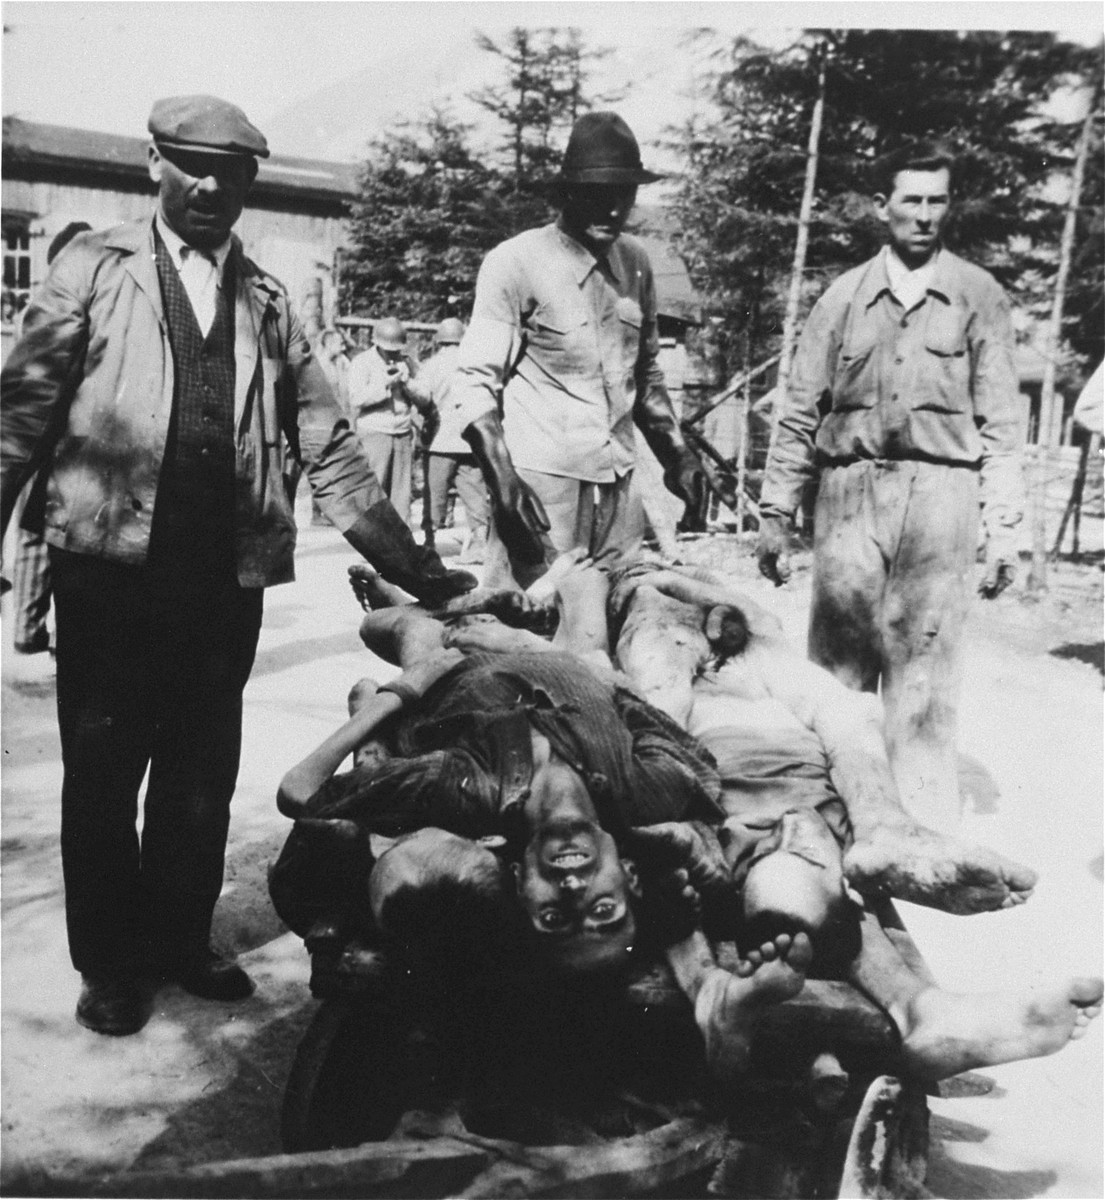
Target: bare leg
(726,1005)
(404,636)
(373,750)
(661,648)
(582,591)
(945,1033)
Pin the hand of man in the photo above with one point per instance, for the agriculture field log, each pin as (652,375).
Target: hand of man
(431,423)
(772,550)
(520,518)
(1001,570)
(686,479)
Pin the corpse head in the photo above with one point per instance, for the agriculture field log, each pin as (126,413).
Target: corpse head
(796,884)
(576,890)
(446,900)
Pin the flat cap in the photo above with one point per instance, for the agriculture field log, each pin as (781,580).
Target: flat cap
(206,123)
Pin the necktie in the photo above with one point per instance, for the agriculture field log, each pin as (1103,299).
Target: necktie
(199,274)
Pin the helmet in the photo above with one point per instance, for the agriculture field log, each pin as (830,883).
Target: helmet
(449,331)
(390,334)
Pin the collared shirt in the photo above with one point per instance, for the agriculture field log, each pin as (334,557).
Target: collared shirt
(935,382)
(201,272)
(567,344)
(378,402)
(909,284)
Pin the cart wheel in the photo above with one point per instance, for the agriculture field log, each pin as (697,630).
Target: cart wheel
(888,1151)
(345,1086)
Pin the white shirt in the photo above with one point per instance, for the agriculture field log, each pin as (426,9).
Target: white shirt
(201,272)
(909,286)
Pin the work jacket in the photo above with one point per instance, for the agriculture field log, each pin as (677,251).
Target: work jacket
(87,393)
(934,383)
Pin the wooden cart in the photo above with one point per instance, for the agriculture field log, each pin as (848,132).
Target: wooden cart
(504,1091)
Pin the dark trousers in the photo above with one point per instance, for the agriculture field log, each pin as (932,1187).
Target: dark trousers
(145,681)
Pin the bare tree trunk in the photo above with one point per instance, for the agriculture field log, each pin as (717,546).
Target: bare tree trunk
(1049,425)
(742,435)
(794,296)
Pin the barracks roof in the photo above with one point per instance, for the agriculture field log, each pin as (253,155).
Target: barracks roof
(64,154)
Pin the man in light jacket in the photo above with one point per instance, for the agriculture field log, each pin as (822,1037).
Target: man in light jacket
(161,383)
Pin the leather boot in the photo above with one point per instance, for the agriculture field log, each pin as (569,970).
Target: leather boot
(386,541)
(111,1004)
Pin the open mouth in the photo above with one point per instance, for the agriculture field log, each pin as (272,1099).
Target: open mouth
(570,859)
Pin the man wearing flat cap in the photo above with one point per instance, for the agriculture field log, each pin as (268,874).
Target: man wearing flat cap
(162,383)
(563,343)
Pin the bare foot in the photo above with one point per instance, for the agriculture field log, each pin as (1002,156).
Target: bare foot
(726,1006)
(946,1033)
(373,592)
(486,633)
(938,870)
(544,590)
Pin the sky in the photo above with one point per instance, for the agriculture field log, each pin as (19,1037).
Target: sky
(322,77)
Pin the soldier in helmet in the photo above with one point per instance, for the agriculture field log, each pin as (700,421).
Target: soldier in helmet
(450,460)
(381,399)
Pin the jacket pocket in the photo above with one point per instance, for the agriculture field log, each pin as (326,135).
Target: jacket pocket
(854,382)
(945,385)
(630,320)
(556,334)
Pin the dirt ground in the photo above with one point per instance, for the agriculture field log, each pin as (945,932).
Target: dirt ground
(203,1082)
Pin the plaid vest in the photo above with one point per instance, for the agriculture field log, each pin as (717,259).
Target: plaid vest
(192,541)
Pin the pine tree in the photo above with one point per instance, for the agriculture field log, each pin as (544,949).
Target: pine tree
(985,94)
(427,212)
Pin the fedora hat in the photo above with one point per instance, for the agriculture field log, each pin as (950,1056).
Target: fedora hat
(602,149)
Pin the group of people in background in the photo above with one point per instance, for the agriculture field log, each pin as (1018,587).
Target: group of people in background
(396,406)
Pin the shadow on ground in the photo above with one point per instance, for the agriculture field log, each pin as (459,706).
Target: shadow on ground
(1090,653)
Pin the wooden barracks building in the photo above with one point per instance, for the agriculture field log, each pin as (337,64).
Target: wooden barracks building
(53,175)
(294,224)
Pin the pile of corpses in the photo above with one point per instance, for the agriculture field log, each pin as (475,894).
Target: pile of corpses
(605,907)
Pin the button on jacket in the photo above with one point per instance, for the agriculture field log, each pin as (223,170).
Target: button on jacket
(570,344)
(935,383)
(95,363)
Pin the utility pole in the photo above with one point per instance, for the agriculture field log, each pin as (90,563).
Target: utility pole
(1051,423)
(794,296)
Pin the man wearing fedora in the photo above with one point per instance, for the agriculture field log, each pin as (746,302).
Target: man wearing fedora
(563,338)
(161,383)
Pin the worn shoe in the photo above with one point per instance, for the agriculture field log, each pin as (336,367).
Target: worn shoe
(111,1004)
(212,976)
